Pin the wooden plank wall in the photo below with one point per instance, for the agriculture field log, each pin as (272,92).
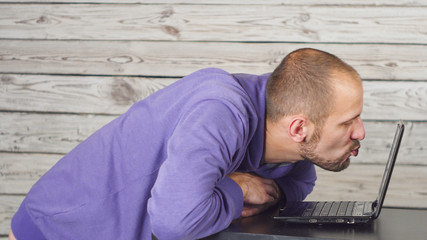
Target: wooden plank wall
(67,67)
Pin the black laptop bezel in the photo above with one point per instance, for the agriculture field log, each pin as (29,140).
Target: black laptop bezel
(388,172)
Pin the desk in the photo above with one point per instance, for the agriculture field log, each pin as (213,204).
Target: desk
(393,223)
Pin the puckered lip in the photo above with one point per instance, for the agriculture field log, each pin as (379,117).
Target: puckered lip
(355,151)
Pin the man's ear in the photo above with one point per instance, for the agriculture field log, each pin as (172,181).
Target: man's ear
(298,129)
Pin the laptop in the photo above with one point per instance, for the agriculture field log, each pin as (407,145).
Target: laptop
(344,212)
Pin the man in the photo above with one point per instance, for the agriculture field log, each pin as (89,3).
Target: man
(186,161)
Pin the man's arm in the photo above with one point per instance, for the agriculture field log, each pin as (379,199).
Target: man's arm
(299,182)
(192,196)
(259,193)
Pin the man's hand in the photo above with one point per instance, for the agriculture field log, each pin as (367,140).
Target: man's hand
(11,236)
(258,193)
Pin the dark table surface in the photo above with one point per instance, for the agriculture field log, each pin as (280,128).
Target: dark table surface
(393,223)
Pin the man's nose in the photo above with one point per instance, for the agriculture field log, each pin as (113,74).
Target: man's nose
(359,130)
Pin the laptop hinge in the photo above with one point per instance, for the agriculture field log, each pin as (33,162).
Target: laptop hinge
(374,205)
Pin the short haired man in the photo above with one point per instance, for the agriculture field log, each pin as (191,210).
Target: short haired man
(190,158)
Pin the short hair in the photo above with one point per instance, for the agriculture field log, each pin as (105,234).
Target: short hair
(302,84)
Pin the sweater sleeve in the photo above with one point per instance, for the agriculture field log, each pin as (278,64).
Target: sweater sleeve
(299,182)
(192,197)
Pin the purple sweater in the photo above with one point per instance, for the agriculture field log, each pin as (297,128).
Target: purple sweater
(161,167)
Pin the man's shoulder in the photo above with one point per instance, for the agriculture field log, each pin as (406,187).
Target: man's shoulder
(209,72)
(223,74)
(208,76)
(214,70)
(213,82)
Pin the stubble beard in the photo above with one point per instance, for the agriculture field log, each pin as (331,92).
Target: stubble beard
(336,165)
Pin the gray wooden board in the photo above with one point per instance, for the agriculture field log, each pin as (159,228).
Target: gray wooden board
(257,2)
(389,100)
(8,206)
(19,171)
(75,94)
(362,182)
(373,61)
(46,133)
(218,22)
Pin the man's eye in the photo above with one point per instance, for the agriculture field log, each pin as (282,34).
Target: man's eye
(348,123)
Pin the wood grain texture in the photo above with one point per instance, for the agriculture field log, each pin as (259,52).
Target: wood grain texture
(19,171)
(395,100)
(227,2)
(283,23)
(75,94)
(47,133)
(376,61)
(390,100)
(362,182)
(59,133)
(8,206)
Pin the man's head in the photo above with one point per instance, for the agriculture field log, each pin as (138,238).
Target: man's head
(317,99)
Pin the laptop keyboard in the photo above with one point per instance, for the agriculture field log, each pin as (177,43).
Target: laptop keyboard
(338,209)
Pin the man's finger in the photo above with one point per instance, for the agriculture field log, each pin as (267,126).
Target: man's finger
(271,182)
(272,191)
(267,181)
(253,210)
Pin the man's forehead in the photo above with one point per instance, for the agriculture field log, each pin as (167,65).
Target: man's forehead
(348,99)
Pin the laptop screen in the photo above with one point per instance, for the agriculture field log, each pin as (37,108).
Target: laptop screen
(389,168)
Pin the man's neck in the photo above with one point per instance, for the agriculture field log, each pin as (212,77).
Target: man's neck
(279,148)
